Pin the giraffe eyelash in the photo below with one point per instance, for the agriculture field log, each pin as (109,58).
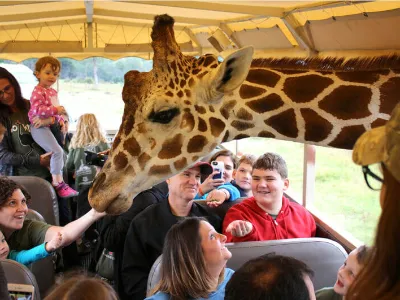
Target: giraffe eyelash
(163,117)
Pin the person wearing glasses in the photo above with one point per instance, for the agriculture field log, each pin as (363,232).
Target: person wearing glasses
(19,154)
(380,278)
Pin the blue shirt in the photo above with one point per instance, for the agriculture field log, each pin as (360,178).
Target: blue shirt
(26,257)
(233,191)
(219,294)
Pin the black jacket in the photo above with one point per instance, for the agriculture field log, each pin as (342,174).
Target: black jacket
(144,243)
(113,229)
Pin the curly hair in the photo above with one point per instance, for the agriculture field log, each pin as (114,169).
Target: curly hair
(7,188)
(42,62)
(88,132)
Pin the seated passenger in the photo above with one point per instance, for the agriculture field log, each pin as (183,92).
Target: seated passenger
(346,275)
(82,287)
(271,277)
(217,191)
(2,132)
(193,263)
(145,238)
(268,215)
(26,257)
(242,175)
(24,234)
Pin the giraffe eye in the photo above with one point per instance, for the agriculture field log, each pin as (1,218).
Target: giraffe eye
(163,117)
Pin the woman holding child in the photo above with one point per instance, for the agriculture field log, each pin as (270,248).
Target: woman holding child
(193,263)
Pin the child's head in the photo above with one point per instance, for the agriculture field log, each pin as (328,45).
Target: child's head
(269,179)
(350,269)
(2,132)
(47,70)
(4,249)
(242,174)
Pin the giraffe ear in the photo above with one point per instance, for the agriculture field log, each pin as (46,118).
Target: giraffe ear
(233,71)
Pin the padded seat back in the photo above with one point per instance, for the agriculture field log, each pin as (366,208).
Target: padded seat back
(17,273)
(44,198)
(323,256)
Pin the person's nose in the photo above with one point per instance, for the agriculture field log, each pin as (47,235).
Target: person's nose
(22,207)
(222,238)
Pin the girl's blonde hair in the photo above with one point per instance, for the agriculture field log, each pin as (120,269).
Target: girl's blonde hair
(88,132)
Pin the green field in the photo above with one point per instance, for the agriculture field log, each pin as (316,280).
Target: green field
(341,195)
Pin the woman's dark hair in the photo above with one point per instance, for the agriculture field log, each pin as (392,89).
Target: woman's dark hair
(21,103)
(7,188)
(380,278)
(183,269)
(225,152)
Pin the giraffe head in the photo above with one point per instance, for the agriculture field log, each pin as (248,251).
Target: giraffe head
(169,121)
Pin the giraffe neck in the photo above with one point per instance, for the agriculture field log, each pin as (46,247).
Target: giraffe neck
(314,107)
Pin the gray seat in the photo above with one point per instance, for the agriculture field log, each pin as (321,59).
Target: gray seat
(323,256)
(34,215)
(44,198)
(17,273)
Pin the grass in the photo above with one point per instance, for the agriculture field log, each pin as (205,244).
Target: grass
(341,194)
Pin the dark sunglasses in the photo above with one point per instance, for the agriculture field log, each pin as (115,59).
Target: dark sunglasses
(373,181)
(7,90)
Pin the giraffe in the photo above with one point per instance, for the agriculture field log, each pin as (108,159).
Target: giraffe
(185,106)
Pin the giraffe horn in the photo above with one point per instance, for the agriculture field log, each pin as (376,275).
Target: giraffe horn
(163,40)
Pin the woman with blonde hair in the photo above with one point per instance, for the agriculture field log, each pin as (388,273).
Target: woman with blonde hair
(193,263)
(380,278)
(83,288)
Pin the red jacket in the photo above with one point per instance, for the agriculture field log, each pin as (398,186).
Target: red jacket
(293,221)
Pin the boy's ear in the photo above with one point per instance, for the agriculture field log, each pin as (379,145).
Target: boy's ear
(234,173)
(285,184)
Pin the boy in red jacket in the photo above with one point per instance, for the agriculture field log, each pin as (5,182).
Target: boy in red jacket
(268,215)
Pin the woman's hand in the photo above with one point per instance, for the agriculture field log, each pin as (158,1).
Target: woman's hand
(45,160)
(209,184)
(38,122)
(54,243)
(217,197)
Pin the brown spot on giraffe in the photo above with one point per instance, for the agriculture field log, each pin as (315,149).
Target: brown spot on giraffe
(267,103)
(266,134)
(99,180)
(291,72)
(227,108)
(196,144)
(152,143)
(200,76)
(180,94)
(143,159)
(196,71)
(208,61)
(116,142)
(305,88)
(195,158)
(337,102)
(141,128)
(188,93)
(284,123)
(200,109)
(317,128)
(180,163)
(187,102)
(187,121)
(213,66)
(202,126)
(361,77)
(132,146)
(182,83)
(159,170)
(171,84)
(171,147)
(169,94)
(211,108)
(191,82)
(177,81)
(120,161)
(247,91)
(226,136)
(241,136)
(129,124)
(347,137)
(240,125)
(243,114)
(378,122)
(390,95)
(263,77)
(217,126)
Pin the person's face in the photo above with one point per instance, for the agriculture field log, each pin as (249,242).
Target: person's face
(347,273)
(243,176)
(213,245)
(13,212)
(228,167)
(4,249)
(7,94)
(65,127)
(185,184)
(268,186)
(47,76)
(310,287)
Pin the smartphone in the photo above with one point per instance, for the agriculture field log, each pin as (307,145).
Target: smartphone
(218,166)
(21,291)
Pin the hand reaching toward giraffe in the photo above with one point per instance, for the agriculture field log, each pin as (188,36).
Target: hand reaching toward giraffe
(54,243)
(239,228)
(209,183)
(217,197)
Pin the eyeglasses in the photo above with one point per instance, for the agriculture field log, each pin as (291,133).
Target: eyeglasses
(373,181)
(7,90)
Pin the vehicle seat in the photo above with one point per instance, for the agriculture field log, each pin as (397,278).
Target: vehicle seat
(34,215)
(17,273)
(44,198)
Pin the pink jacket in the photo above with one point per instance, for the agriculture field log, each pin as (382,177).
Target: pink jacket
(42,103)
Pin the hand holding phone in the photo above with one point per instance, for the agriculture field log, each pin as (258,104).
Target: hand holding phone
(218,166)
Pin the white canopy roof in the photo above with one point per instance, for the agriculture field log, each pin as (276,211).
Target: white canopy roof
(115,29)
